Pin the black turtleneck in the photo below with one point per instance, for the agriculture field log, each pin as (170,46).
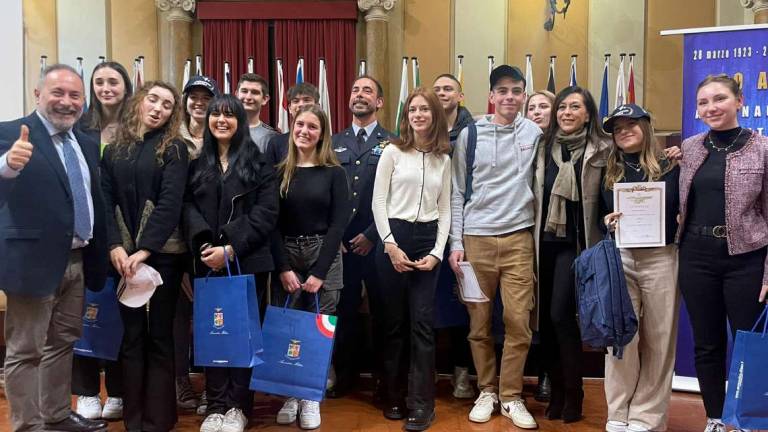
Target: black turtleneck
(632,175)
(707,196)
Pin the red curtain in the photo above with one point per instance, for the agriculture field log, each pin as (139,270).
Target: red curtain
(333,39)
(234,41)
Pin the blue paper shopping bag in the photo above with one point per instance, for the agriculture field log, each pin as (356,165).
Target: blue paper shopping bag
(297,353)
(227,332)
(102,324)
(746,402)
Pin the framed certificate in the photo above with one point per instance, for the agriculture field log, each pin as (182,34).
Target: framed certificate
(642,221)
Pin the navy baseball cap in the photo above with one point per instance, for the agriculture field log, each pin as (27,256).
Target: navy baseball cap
(628,111)
(203,82)
(506,71)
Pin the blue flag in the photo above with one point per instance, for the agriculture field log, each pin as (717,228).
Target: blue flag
(604,92)
(300,71)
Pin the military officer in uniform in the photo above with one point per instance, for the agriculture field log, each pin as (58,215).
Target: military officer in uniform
(358,149)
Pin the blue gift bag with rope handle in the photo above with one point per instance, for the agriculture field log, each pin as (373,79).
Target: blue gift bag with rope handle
(227,332)
(297,353)
(102,324)
(746,401)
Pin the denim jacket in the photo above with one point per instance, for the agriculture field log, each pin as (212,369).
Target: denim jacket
(746,192)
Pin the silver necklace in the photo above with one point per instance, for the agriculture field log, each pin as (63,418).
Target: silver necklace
(635,166)
(726,148)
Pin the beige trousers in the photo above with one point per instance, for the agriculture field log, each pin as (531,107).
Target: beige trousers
(40,333)
(504,261)
(638,387)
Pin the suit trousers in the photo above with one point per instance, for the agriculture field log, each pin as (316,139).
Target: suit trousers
(149,400)
(718,288)
(638,386)
(40,333)
(559,328)
(408,307)
(504,261)
(350,334)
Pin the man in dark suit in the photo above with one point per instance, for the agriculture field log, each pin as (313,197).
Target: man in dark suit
(300,95)
(52,233)
(358,149)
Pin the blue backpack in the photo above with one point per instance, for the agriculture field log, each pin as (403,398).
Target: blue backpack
(606,316)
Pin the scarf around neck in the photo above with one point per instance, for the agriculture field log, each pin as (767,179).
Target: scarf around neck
(565,187)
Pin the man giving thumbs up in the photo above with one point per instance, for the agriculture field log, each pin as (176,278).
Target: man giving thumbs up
(52,244)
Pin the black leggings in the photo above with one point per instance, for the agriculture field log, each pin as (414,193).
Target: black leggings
(717,286)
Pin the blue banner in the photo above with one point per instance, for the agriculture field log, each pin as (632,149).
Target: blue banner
(742,54)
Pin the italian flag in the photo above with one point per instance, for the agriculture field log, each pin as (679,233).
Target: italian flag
(403,95)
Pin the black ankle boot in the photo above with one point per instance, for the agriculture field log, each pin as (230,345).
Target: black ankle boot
(554,410)
(573,404)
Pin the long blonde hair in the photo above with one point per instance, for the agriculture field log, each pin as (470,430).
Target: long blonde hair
(651,158)
(324,154)
(128,132)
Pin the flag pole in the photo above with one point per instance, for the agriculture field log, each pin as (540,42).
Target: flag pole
(226,78)
(529,89)
(491,109)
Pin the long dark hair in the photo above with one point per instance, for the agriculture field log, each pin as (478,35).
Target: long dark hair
(244,156)
(94,118)
(593,126)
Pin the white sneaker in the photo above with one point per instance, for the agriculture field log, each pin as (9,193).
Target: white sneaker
(113,409)
(212,423)
(287,413)
(615,426)
(485,405)
(462,389)
(515,410)
(89,407)
(309,414)
(634,427)
(234,421)
(714,425)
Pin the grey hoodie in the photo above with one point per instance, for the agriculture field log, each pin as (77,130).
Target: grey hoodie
(502,195)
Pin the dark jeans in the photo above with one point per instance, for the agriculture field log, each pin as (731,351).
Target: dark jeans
(86,376)
(717,286)
(350,334)
(408,301)
(228,387)
(149,401)
(302,256)
(559,329)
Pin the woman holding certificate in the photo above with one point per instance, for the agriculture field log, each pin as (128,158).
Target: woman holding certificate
(723,233)
(638,386)
(411,208)
(566,188)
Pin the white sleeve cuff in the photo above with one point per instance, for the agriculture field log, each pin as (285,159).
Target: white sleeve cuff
(7,172)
